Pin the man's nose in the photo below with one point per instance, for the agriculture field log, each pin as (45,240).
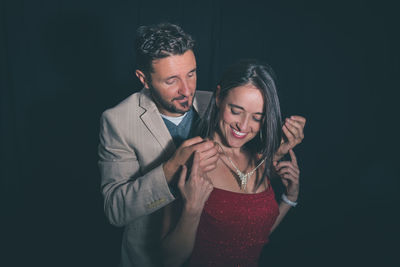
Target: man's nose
(184,88)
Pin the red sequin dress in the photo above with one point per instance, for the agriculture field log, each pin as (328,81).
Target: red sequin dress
(233,228)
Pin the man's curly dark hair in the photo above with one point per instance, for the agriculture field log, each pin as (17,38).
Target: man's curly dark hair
(160,41)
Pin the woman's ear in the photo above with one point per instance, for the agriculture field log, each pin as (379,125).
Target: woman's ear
(217,92)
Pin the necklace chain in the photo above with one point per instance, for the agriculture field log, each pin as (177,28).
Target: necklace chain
(242,176)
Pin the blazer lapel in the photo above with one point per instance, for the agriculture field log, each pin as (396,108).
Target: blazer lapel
(153,121)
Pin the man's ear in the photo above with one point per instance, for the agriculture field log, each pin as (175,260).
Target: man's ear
(217,91)
(142,78)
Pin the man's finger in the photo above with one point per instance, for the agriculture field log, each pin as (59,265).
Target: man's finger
(210,153)
(192,141)
(195,166)
(204,146)
(209,160)
(182,177)
(209,164)
(209,167)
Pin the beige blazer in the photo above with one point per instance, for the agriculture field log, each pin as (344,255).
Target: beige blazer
(134,142)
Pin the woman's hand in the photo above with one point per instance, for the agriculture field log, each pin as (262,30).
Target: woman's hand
(290,174)
(196,189)
(293,129)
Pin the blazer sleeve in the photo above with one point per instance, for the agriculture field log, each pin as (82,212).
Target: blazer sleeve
(128,194)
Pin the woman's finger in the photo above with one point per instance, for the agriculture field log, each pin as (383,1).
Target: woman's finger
(288,171)
(289,135)
(300,123)
(286,164)
(301,120)
(293,157)
(295,131)
(290,178)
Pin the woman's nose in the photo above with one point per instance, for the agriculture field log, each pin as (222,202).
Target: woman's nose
(243,124)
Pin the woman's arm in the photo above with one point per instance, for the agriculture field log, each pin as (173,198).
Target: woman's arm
(283,210)
(178,240)
(290,174)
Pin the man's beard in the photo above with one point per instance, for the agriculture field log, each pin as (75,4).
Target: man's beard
(168,106)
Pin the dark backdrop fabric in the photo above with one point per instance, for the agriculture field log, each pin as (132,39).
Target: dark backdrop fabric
(64,62)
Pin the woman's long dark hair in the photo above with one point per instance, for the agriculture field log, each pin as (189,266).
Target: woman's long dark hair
(267,141)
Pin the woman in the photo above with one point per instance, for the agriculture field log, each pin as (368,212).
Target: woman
(227,214)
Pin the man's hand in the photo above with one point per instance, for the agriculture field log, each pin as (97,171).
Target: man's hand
(293,130)
(196,189)
(208,156)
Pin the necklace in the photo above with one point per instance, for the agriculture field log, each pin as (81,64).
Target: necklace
(242,176)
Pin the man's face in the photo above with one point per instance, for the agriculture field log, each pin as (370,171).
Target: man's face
(173,83)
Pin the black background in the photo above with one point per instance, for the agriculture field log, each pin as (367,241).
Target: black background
(63,62)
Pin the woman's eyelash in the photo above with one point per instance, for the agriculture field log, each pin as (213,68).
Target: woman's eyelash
(234,112)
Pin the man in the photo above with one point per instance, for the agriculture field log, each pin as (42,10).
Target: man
(146,138)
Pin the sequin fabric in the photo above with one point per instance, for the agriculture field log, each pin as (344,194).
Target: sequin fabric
(233,228)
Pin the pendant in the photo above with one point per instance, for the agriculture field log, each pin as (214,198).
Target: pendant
(243,180)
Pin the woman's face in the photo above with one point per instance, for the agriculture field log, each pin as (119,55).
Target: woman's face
(241,113)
